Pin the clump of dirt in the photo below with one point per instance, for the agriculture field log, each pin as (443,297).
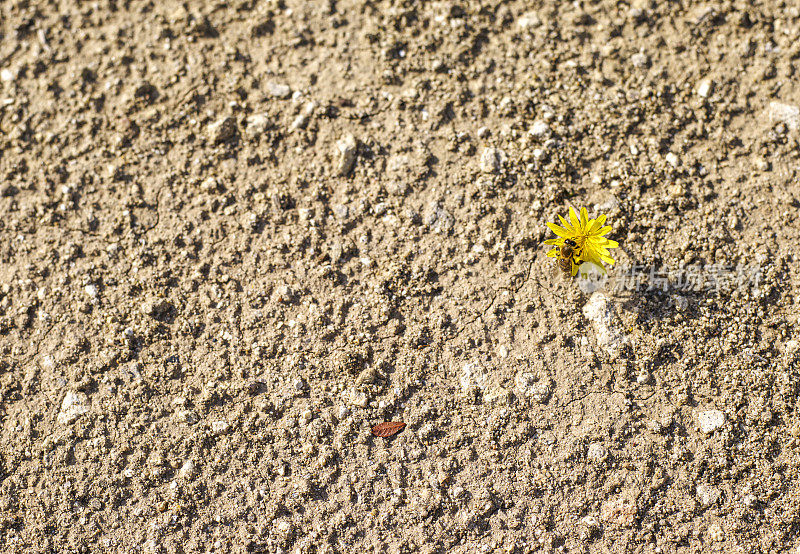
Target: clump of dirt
(237,236)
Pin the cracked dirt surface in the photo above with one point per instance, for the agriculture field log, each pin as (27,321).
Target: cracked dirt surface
(235,236)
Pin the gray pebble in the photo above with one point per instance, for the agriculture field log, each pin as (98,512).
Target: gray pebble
(492,160)
(257,124)
(427,431)
(707,494)
(473,375)
(346,149)
(597,452)
(341,211)
(223,130)
(285,294)
(358,398)
(640,60)
(278,90)
(704,88)
(397,188)
(540,130)
(187,470)
(74,405)
(220,427)
(187,416)
(439,219)
(710,420)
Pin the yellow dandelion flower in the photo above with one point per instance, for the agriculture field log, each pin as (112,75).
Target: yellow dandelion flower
(588,234)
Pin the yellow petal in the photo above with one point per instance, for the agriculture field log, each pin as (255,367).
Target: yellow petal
(591,257)
(573,217)
(554,241)
(574,269)
(603,243)
(603,230)
(566,224)
(584,220)
(586,267)
(607,259)
(597,224)
(561,232)
(553,253)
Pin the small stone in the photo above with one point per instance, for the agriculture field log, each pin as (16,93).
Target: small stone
(346,149)
(305,214)
(592,528)
(74,405)
(762,164)
(342,211)
(540,130)
(220,427)
(284,527)
(524,382)
(484,132)
(187,470)
(707,494)
(279,90)
(620,511)
(343,412)
(438,219)
(427,431)
(397,188)
(542,391)
(710,420)
(788,114)
(704,88)
(223,130)
(597,452)
(369,376)
(529,20)
(299,384)
(358,398)
(640,60)
(157,307)
(681,303)
(492,160)
(91,291)
(715,533)
(672,159)
(6,75)
(497,395)
(473,376)
(187,416)
(529,385)
(257,124)
(299,122)
(285,294)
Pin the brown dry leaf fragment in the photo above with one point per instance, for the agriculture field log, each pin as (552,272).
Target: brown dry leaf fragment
(388,428)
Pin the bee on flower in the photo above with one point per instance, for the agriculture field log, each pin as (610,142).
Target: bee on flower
(581,240)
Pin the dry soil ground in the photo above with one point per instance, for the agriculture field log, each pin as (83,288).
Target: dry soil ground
(236,235)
